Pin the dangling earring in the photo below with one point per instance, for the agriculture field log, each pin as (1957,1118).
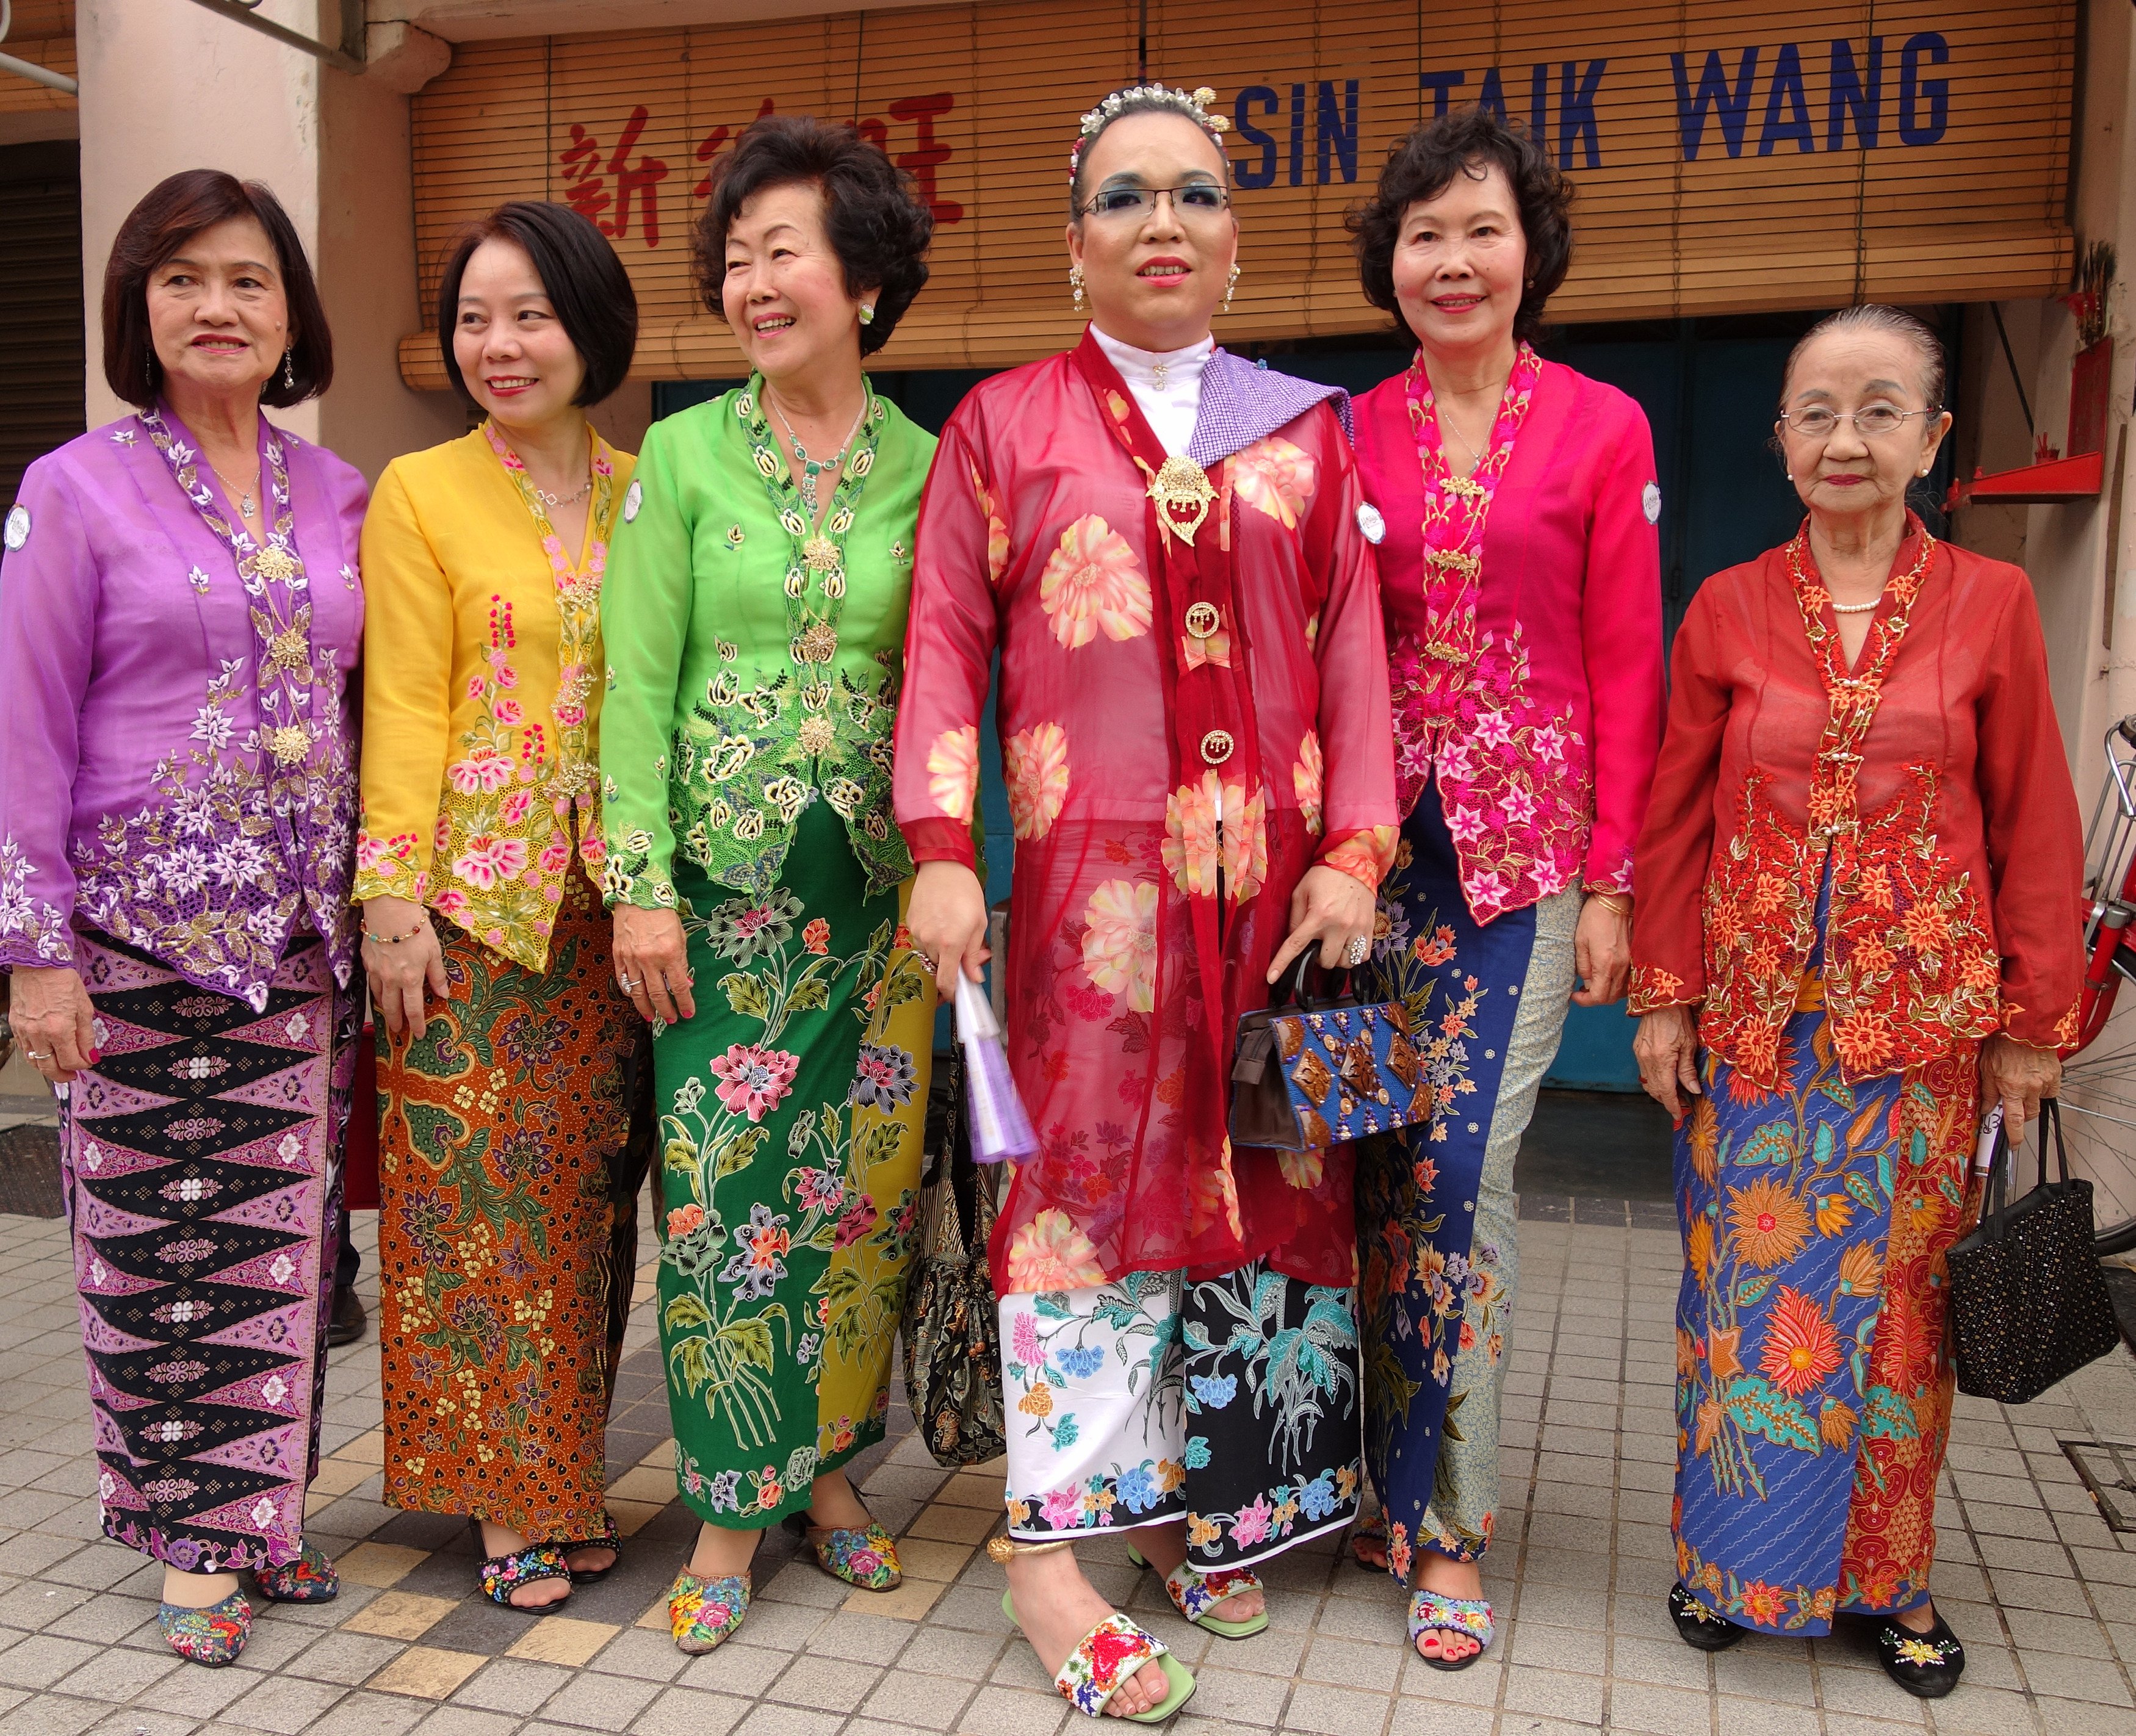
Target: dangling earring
(1075,282)
(867,314)
(1231,288)
(288,372)
(152,360)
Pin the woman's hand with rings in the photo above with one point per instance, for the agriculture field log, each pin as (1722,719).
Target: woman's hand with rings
(2017,1076)
(1602,950)
(1666,1047)
(652,963)
(1334,908)
(947,920)
(54,1024)
(402,958)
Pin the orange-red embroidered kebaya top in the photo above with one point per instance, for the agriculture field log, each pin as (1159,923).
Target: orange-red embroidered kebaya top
(1929,774)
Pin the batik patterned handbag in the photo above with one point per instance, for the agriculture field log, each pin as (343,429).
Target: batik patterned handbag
(1311,1072)
(952,1328)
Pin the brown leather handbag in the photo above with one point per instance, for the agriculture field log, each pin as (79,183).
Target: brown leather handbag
(1310,1073)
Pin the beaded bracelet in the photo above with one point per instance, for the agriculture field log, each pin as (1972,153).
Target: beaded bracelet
(394,940)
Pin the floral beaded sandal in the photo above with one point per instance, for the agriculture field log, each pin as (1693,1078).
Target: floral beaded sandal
(1368,1544)
(865,1558)
(605,1537)
(502,1575)
(703,1613)
(1464,1617)
(1194,1593)
(310,1578)
(214,1636)
(1698,1625)
(1925,1665)
(1108,1654)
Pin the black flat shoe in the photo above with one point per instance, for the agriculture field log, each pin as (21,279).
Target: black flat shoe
(346,1325)
(1699,1627)
(1925,1665)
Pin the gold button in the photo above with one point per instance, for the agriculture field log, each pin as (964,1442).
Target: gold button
(1216,747)
(1202,619)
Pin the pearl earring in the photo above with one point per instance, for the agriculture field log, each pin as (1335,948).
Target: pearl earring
(1075,282)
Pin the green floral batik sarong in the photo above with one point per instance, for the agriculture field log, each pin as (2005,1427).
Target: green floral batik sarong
(791,1109)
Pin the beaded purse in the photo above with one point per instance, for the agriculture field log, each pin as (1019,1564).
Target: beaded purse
(1311,1072)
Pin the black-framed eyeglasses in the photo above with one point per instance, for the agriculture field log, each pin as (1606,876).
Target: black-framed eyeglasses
(1196,199)
(1817,423)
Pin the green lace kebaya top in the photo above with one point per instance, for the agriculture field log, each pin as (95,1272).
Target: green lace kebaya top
(754,662)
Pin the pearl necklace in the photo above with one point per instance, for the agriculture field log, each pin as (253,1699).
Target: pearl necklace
(1858,608)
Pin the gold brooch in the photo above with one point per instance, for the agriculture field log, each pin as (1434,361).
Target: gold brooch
(290,649)
(1182,494)
(273,563)
(289,743)
(822,555)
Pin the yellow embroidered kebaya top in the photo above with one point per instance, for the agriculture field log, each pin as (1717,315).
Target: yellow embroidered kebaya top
(481,694)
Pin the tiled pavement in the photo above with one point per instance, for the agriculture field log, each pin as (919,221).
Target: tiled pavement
(2043,1594)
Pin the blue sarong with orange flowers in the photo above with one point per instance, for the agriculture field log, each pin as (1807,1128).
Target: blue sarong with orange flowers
(1428,1286)
(1813,1388)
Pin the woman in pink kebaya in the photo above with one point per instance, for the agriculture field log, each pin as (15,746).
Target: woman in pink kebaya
(1514,502)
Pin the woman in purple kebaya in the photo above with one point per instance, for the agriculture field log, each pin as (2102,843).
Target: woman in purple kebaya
(179,615)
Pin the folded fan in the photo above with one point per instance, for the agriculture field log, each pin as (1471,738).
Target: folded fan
(999,1127)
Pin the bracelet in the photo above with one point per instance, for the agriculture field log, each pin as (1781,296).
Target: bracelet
(1615,902)
(394,940)
(1006,1549)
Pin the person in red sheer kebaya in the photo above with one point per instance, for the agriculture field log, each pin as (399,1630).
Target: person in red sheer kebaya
(1858,919)
(1161,542)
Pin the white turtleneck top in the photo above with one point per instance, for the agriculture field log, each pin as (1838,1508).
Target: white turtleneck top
(1167,386)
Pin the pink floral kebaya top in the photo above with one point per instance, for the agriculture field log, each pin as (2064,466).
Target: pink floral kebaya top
(482,691)
(1523,610)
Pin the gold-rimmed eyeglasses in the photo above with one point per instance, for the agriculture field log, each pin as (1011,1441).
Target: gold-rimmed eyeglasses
(1817,423)
(1196,199)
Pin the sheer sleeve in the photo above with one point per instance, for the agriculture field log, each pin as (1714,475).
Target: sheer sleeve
(959,553)
(2033,831)
(1355,722)
(407,696)
(1620,630)
(1668,941)
(645,621)
(49,591)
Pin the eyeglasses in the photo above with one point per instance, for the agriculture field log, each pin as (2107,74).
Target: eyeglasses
(1817,423)
(1196,199)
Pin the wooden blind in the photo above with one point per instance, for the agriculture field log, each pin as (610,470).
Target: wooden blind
(1729,156)
(40,311)
(41,32)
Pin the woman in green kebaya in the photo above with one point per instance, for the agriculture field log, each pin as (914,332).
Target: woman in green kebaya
(754,612)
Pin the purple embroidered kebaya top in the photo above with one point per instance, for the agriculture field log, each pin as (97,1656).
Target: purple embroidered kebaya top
(176,743)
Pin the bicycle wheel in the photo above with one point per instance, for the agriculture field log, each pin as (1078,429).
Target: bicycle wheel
(2099,1124)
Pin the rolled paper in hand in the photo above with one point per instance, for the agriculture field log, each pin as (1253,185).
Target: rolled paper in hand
(1000,1127)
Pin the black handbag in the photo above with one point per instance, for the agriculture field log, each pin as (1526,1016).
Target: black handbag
(1315,1072)
(2029,1305)
(952,1327)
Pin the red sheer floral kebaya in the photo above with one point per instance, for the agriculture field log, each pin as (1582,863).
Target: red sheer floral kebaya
(1186,727)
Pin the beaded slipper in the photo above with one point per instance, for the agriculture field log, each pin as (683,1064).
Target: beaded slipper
(310,1578)
(703,1613)
(1368,1544)
(502,1575)
(1108,1654)
(1698,1625)
(1925,1665)
(1194,1593)
(866,1558)
(215,1635)
(604,1537)
(1469,1617)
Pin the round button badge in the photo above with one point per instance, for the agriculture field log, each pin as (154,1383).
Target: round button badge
(1216,747)
(1202,619)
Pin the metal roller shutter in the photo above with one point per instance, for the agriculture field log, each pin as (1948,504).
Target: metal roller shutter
(1731,155)
(41,308)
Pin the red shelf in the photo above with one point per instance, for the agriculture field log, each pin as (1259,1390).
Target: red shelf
(2064,479)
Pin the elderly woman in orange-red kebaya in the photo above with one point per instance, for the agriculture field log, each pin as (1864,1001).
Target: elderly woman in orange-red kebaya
(1862,788)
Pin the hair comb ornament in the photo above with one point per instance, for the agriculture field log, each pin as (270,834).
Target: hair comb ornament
(1140,98)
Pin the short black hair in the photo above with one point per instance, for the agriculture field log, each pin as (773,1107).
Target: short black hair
(1423,166)
(584,281)
(878,225)
(171,213)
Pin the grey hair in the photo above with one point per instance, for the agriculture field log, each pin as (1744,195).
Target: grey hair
(1892,321)
(1141,100)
